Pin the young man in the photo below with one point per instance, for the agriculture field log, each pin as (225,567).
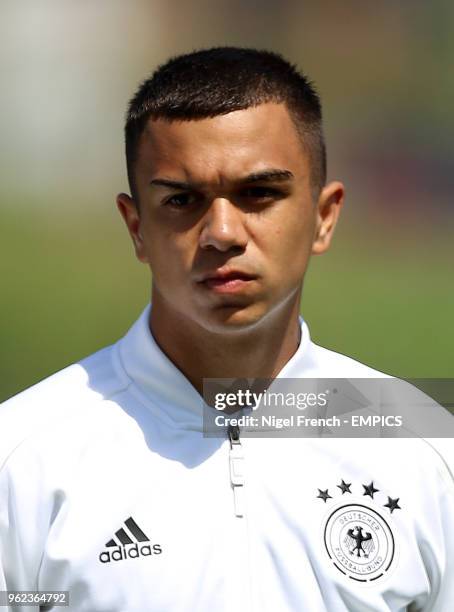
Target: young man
(108,488)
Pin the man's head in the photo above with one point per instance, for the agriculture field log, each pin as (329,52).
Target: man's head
(218,81)
(229,198)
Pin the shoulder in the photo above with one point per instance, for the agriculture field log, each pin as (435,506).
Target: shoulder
(424,419)
(76,395)
(337,365)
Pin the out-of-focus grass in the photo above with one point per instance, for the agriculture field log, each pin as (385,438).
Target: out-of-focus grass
(71,285)
(387,299)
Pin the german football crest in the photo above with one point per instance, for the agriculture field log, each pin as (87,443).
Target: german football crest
(357,537)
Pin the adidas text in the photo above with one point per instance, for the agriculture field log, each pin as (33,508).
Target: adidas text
(132,552)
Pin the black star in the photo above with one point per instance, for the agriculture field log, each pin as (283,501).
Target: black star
(393,505)
(323,494)
(345,487)
(370,490)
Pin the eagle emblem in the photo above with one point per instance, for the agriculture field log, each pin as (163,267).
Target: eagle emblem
(359,542)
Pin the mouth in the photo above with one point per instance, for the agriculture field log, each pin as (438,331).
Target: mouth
(231,281)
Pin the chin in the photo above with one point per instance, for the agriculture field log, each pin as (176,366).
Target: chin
(232,319)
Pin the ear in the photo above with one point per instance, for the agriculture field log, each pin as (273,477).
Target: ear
(131,216)
(330,202)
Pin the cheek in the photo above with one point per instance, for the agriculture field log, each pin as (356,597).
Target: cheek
(169,253)
(290,243)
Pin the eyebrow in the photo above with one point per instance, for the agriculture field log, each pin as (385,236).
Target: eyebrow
(272,175)
(162,182)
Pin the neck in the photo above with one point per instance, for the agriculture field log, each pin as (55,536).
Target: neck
(259,352)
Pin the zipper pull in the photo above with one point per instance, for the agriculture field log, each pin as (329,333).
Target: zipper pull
(236,459)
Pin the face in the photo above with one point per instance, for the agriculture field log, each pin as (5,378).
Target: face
(225,216)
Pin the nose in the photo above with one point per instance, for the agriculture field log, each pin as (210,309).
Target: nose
(224,227)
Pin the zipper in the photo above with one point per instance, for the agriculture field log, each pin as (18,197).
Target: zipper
(241,560)
(236,460)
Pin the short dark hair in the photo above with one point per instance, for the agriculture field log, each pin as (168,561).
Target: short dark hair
(220,80)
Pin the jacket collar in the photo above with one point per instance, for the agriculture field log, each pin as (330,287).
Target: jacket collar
(162,386)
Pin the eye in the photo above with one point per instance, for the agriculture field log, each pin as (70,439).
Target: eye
(180,200)
(261,193)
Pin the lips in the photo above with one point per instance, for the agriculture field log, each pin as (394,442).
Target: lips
(226,281)
(225,275)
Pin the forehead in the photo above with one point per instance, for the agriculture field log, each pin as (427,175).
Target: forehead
(222,147)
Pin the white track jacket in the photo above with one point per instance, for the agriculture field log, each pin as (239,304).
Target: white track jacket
(109,490)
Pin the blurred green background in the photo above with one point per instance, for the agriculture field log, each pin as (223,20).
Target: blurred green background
(385,292)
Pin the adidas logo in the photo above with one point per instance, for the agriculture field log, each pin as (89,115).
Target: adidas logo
(131,544)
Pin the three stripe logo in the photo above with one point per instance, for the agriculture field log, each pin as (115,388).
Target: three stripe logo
(123,536)
(129,543)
